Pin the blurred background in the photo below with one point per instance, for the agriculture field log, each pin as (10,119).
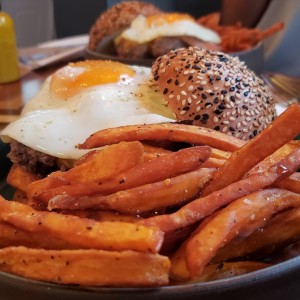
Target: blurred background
(38,21)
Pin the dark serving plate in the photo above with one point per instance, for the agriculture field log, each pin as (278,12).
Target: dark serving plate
(273,283)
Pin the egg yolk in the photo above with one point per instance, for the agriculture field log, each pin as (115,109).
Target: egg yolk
(169,18)
(71,79)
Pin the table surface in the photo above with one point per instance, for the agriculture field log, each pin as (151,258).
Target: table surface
(14,95)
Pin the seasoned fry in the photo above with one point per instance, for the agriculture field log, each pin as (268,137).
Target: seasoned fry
(279,231)
(282,130)
(160,168)
(151,152)
(291,183)
(255,208)
(12,236)
(87,267)
(85,233)
(19,178)
(101,165)
(204,206)
(163,132)
(144,198)
(275,157)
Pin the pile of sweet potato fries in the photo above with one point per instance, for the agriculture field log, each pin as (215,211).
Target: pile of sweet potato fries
(153,205)
(235,37)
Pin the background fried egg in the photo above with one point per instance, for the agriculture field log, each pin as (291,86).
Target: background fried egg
(144,29)
(83,98)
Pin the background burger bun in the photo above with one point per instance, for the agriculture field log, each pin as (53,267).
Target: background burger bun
(212,89)
(118,17)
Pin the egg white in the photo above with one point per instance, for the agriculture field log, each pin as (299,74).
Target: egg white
(140,32)
(55,126)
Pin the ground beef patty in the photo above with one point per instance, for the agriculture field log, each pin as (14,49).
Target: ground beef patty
(34,161)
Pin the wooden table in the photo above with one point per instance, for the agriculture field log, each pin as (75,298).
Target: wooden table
(13,96)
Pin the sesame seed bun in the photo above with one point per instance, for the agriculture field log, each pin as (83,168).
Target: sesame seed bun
(118,17)
(215,90)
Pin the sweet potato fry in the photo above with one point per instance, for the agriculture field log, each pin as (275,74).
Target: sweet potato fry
(291,183)
(255,208)
(141,199)
(85,233)
(279,231)
(160,168)
(282,130)
(87,267)
(204,206)
(275,157)
(12,236)
(151,152)
(102,165)
(19,178)
(163,132)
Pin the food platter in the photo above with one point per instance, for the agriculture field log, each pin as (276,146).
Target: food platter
(275,282)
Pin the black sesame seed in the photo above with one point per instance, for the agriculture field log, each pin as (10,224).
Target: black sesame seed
(203,71)
(207,64)
(232,89)
(190,77)
(176,82)
(156,77)
(187,66)
(222,106)
(169,80)
(224,92)
(218,111)
(232,98)
(165,91)
(207,104)
(186,108)
(226,78)
(245,106)
(205,117)
(246,93)
(212,93)
(217,128)
(197,117)
(204,96)
(196,67)
(218,77)
(231,128)
(238,79)
(216,100)
(200,88)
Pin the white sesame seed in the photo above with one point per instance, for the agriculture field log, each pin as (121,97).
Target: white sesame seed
(215,119)
(225,122)
(198,108)
(183,102)
(171,96)
(181,84)
(190,88)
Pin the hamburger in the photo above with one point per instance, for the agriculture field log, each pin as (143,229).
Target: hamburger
(190,85)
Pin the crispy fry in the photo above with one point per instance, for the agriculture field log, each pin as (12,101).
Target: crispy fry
(255,208)
(12,236)
(204,206)
(282,130)
(101,165)
(19,178)
(85,233)
(291,183)
(20,196)
(144,198)
(151,152)
(279,231)
(87,267)
(160,168)
(163,132)
(275,157)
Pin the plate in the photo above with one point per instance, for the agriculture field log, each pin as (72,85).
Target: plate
(253,58)
(273,283)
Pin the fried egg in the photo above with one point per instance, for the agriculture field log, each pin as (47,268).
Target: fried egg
(82,98)
(145,29)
